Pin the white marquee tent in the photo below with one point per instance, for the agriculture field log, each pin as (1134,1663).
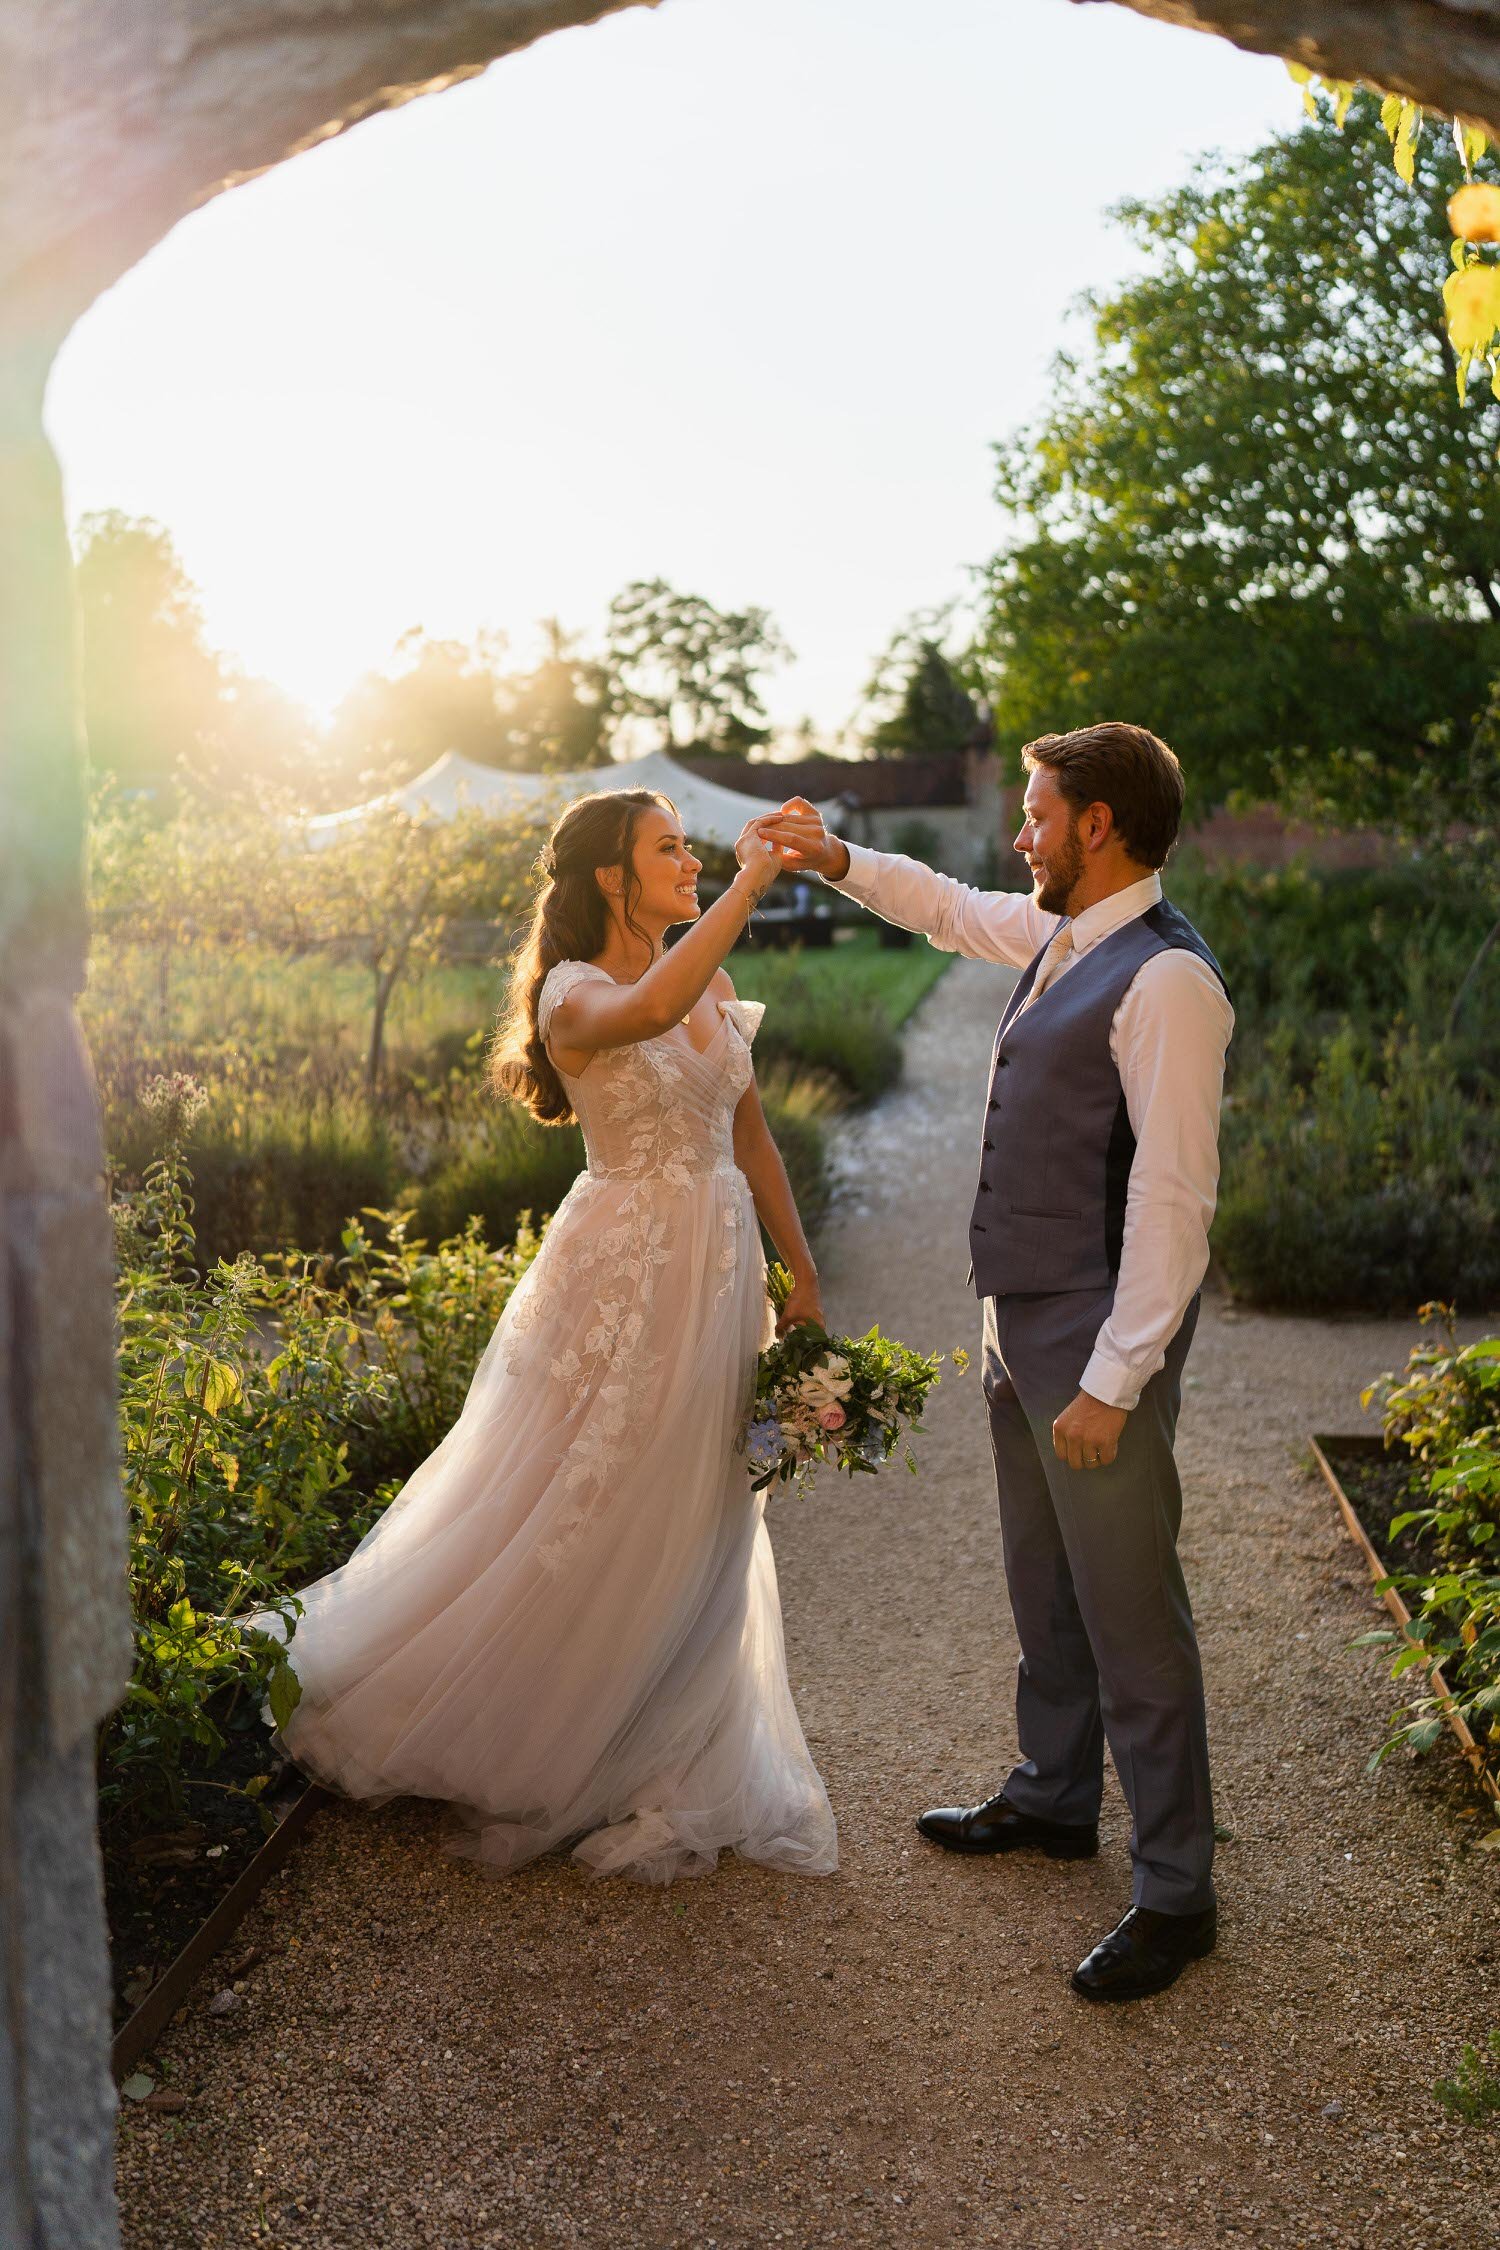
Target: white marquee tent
(711,813)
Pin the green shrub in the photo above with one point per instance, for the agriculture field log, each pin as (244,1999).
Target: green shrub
(849,1035)
(1445,1409)
(286,1144)
(266,1419)
(1474,2090)
(1314,949)
(799,1106)
(500,1163)
(1372,1186)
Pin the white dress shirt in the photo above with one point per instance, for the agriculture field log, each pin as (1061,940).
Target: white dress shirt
(1167,1041)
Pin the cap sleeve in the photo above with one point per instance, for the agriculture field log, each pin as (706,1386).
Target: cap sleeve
(559,981)
(745,1015)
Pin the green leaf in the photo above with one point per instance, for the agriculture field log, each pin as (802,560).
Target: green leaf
(221,1386)
(285,1693)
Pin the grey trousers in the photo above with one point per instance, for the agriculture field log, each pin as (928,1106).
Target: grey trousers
(1108,1651)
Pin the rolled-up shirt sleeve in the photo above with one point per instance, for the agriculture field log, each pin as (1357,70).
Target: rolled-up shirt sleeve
(1168,1041)
(985,925)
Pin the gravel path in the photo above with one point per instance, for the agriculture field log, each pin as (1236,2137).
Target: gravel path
(891,2055)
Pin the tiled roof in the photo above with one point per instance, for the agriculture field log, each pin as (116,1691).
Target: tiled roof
(878,784)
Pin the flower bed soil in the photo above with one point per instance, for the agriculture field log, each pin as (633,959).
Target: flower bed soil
(1374,1486)
(160,1888)
(1378,1486)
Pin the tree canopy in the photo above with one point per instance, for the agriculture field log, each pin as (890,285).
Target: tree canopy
(929,711)
(1254,516)
(688,672)
(452,695)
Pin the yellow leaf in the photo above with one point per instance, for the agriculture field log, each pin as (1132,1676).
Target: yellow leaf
(1406,142)
(1470,143)
(1474,212)
(1472,302)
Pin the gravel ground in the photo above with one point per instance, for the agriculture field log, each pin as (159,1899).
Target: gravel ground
(891,2055)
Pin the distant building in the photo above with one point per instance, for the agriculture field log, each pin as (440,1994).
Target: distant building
(945,809)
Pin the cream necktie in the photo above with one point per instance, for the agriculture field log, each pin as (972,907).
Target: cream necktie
(1052,962)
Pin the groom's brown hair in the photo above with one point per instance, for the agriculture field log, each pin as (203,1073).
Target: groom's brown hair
(1126,768)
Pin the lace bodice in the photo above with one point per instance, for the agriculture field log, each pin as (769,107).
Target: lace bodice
(659,1109)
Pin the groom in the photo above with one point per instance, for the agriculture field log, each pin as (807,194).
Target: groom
(1098,1169)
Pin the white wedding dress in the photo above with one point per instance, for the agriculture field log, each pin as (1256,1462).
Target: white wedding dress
(566,1625)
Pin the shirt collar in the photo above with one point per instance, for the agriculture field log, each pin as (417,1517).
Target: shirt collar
(1112,913)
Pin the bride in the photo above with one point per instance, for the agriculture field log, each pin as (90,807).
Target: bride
(566,1625)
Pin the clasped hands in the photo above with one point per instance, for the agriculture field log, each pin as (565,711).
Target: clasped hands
(792,836)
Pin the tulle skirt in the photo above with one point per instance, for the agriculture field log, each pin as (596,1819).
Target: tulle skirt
(566,1625)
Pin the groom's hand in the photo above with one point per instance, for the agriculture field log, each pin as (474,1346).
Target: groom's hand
(1087,1434)
(798,828)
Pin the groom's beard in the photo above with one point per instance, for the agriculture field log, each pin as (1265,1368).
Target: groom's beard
(1057,878)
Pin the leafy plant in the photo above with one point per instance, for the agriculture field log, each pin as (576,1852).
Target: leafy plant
(268,1414)
(1443,1410)
(1473,2091)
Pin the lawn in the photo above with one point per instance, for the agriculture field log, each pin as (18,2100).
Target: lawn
(311,1007)
(857,968)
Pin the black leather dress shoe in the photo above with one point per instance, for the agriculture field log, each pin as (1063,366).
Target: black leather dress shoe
(996,1826)
(1147,1952)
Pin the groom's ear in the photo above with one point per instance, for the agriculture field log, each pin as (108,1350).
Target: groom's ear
(1101,825)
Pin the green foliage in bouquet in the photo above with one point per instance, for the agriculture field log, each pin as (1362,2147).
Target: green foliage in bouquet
(847,1400)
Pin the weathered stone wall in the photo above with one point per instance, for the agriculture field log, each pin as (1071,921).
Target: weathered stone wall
(1444,53)
(63,1619)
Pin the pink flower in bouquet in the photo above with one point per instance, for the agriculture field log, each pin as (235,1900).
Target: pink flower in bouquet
(832,1417)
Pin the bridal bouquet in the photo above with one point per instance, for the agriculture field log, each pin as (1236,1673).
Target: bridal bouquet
(849,1400)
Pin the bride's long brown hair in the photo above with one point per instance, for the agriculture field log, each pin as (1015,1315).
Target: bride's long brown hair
(570,922)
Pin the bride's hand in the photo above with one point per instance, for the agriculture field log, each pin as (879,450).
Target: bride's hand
(760,860)
(805,1302)
(805,842)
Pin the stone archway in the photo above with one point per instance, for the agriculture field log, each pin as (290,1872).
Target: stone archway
(117,122)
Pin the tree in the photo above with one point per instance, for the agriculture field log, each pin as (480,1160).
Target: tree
(160,706)
(439,695)
(153,690)
(1255,516)
(934,714)
(383,893)
(686,670)
(453,695)
(557,717)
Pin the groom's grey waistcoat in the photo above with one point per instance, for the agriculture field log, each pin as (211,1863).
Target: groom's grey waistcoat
(1055,1163)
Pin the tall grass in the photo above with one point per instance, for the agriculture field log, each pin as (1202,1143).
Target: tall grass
(288,1145)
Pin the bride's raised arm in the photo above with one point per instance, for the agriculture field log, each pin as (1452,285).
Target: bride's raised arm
(595,1014)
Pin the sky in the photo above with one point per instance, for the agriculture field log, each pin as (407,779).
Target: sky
(737,293)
